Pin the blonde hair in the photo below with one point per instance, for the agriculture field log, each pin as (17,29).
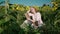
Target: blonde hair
(35,9)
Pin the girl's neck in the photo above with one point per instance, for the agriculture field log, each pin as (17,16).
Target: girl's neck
(34,13)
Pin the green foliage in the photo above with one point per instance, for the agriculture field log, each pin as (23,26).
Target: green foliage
(15,18)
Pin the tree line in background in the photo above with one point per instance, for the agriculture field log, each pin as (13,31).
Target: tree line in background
(12,16)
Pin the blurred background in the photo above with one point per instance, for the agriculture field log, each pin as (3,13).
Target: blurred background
(12,16)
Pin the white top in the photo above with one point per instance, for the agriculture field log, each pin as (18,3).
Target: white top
(36,17)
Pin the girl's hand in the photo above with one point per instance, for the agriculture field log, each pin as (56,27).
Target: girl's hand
(32,21)
(28,11)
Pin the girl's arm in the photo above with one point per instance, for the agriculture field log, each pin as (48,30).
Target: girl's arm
(28,17)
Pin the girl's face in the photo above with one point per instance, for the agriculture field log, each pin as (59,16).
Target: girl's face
(32,10)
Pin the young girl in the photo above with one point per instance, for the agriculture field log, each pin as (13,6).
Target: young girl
(33,17)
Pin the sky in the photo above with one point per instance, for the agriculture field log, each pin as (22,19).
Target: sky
(30,2)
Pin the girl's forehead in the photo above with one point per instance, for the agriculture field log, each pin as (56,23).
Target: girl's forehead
(31,8)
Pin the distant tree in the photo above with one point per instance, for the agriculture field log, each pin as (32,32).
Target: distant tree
(2,2)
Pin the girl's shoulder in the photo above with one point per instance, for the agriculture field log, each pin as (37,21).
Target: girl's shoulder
(38,12)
